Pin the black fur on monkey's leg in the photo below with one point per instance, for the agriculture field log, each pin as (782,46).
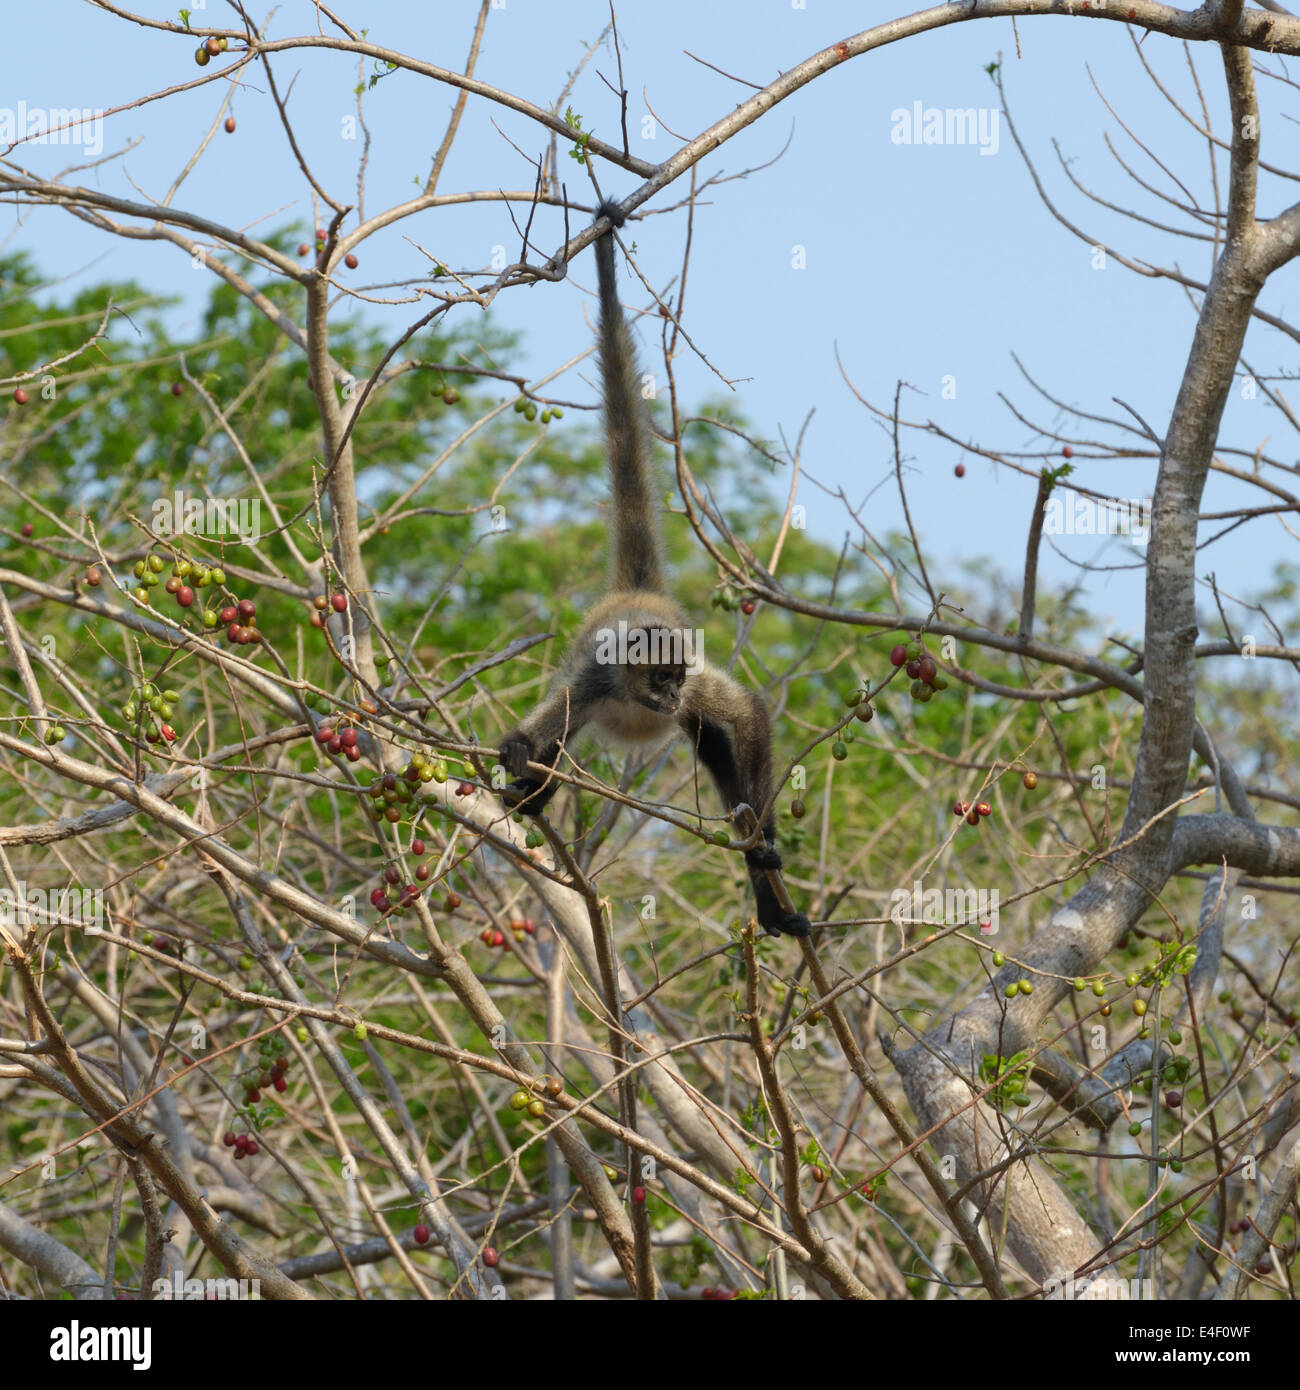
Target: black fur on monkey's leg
(772,916)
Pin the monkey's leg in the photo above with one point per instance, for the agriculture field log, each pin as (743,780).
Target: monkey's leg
(729,726)
(538,740)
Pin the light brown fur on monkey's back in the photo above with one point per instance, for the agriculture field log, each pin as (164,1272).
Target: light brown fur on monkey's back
(637,608)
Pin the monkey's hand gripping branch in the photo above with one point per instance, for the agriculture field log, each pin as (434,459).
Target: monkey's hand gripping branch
(777,914)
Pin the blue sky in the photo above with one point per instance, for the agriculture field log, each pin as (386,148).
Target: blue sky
(930,263)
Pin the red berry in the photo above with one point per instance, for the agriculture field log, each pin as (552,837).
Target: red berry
(490,1256)
(28,528)
(498,938)
(173,584)
(316,620)
(178,388)
(229,1139)
(303,249)
(638,1195)
(252,1147)
(959,808)
(747,605)
(422,871)
(239,1153)
(185,596)
(984,808)
(320,233)
(20,395)
(353,754)
(350,261)
(279,1083)
(377,897)
(349,738)
(391,873)
(168,733)
(465,788)
(340,602)
(417,846)
(529,925)
(914,668)
(960,470)
(252,1096)
(972,817)
(324,734)
(213,46)
(230,125)
(421,1234)
(229,614)
(241,1141)
(335,745)
(453,901)
(897,655)
(1067,452)
(246,608)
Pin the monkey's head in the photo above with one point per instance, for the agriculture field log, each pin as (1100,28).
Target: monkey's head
(655,685)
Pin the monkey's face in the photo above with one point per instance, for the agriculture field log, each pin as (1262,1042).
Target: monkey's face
(657,687)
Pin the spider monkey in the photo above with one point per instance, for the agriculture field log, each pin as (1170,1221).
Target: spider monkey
(643,689)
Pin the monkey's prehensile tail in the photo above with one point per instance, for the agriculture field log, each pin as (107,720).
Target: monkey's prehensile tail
(636,559)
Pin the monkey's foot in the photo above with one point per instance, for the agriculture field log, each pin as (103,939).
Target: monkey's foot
(527,796)
(786,924)
(516,752)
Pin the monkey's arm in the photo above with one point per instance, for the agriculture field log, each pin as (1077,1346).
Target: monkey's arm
(538,739)
(728,726)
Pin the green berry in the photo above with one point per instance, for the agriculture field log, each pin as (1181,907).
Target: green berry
(839,750)
(1013,989)
(1135,1128)
(1080,986)
(720,837)
(998,958)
